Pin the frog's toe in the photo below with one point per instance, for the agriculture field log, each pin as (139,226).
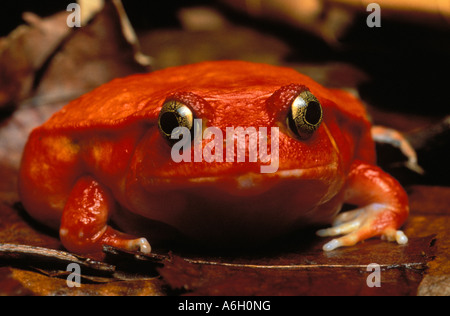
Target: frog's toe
(352,231)
(340,229)
(359,235)
(346,216)
(345,241)
(372,220)
(140,244)
(395,235)
(346,222)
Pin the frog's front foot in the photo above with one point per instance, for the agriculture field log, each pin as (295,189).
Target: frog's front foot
(384,208)
(361,224)
(84,222)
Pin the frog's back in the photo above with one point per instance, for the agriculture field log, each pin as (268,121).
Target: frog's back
(140,97)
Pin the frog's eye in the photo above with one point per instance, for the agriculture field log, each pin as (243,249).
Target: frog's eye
(305,115)
(174,114)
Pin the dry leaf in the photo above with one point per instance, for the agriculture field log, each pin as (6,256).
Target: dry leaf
(25,51)
(305,273)
(47,64)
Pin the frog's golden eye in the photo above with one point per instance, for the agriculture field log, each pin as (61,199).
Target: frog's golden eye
(174,114)
(305,115)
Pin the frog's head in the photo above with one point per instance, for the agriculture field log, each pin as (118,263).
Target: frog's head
(246,133)
(205,131)
(286,116)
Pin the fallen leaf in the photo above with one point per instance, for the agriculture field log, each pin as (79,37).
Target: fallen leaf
(45,65)
(305,273)
(24,52)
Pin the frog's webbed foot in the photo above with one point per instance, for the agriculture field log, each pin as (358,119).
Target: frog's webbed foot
(384,208)
(361,224)
(84,222)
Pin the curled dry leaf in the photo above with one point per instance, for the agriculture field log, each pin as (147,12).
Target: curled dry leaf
(54,263)
(52,256)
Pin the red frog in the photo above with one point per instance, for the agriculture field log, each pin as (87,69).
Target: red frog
(101,170)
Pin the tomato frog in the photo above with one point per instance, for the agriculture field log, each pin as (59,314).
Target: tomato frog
(101,170)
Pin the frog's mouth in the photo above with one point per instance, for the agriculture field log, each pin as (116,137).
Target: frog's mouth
(252,184)
(249,184)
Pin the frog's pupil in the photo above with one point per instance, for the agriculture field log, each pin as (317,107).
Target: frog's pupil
(314,113)
(168,122)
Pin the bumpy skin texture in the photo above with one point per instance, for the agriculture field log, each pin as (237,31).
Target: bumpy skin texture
(102,159)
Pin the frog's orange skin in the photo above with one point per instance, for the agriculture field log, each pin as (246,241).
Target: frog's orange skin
(102,158)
